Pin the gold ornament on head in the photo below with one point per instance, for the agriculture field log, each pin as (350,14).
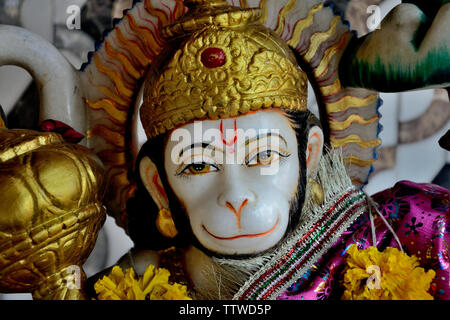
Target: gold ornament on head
(221,63)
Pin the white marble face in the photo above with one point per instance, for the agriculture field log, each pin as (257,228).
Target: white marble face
(235,181)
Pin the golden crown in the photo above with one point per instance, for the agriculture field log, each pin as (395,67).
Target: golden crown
(220,63)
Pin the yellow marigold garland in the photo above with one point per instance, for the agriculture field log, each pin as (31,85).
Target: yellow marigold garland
(152,285)
(400,277)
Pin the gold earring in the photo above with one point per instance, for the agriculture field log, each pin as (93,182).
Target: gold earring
(165,223)
(316,191)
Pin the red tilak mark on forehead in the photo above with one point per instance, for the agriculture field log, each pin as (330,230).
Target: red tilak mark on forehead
(233,140)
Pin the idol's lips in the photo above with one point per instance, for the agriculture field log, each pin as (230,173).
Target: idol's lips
(255,235)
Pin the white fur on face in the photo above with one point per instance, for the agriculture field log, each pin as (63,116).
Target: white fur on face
(235,183)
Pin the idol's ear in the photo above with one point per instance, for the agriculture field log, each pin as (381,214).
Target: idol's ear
(152,182)
(314,149)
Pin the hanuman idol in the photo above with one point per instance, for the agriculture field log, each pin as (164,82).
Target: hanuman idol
(196,117)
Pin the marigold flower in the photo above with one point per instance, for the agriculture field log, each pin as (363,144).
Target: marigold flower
(152,285)
(399,276)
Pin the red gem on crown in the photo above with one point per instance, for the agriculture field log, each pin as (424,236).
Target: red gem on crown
(213,57)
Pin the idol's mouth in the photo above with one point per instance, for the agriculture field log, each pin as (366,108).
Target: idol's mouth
(255,235)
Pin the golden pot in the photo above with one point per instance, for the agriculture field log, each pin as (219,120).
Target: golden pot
(50,213)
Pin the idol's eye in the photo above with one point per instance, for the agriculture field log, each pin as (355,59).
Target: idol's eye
(265,158)
(198,168)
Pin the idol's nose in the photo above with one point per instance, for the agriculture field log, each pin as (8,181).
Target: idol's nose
(234,189)
(236,193)
(237,212)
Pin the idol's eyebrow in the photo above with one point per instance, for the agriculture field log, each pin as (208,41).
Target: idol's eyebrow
(195,145)
(268,134)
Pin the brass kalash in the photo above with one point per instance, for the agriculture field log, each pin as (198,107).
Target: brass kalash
(50,214)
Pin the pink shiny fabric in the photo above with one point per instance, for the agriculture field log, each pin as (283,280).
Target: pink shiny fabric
(419,215)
